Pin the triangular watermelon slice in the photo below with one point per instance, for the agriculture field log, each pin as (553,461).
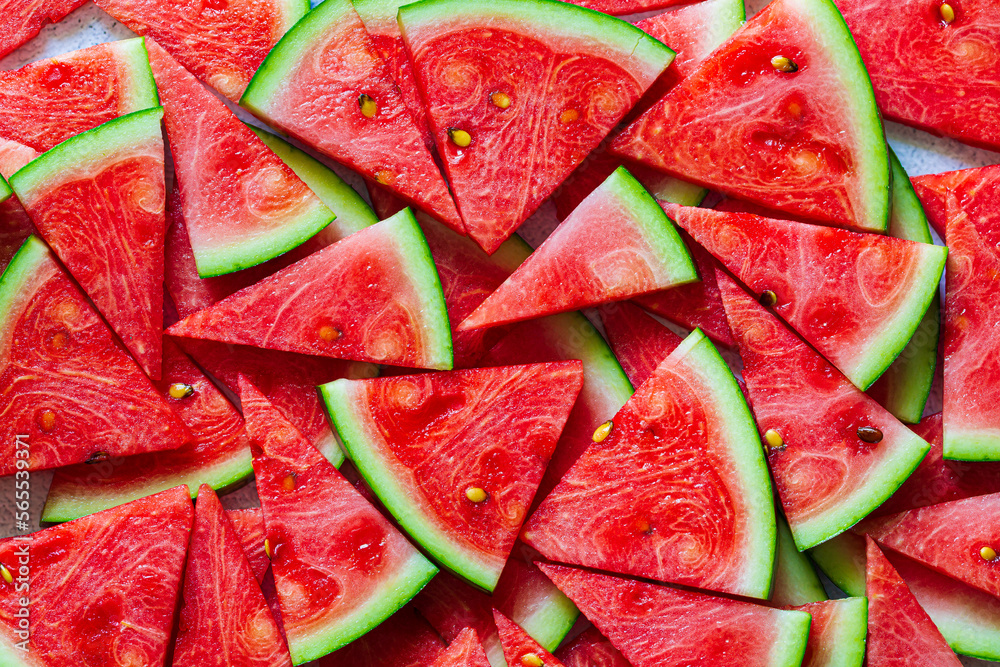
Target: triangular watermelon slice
(340,568)
(98,200)
(46,102)
(223,43)
(464,651)
(656,625)
(23,19)
(857,298)
(242,205)
(899,630)
(348,107)
(426,446)
(678,466)
(518,646)
(837,632)
(249,527)
(834,452)
(782,114)
(373,296)
(224,619)
(218,454)
(909,89)
(617,244)
(67,384)
(403,640)
(795,580)
(103,588)
(639,342)
(524,73)
(591,649)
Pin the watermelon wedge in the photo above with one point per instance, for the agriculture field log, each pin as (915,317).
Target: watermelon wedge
(15,224)
(340,568)
(783,115)
(857,298)
(348,107)
(224,620)
(409,435)
(103,588)
(656,625)
(837,633)
(518,646)
(899,630)
(21,20)
(218,454)
(46,102)
(591,649)
(222,43)
(464,651)
(617,244)
(248,525)
(639,342)
(700,513)
(795,580)
(909,89)
(834,452)
(242,205)
(374,296)
(524,71)
(98,200)
(403,640)
(67,384)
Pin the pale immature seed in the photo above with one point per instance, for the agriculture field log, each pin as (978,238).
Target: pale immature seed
(783,64)
(500,100)
(947,12)
(988,553)
(368,105)
(603,431)
(531,660)
(460,138)
(180,390)
(476,494)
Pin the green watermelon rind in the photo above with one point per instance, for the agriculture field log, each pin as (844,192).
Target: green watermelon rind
(11,656)
(94,146)
(967,638)
(789,645)
(851,632)
(142,92)
(835,558)
(15,280)
(555,20)
(352,211)
(550,625)
(676,191)
(5,191)
(795,570)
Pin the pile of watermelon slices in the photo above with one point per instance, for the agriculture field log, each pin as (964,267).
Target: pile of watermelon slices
(722,414)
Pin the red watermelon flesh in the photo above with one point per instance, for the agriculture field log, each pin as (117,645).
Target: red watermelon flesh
(547,63)
(622,7)
(639,342)
(311,87)
(811,144)
(518,646)
(677,491)
(222,42)
(591,649)
(404,640)
(836,633)
(21,20)
(68,385)
(899,630)
(224,620)
(46,102)
(827,477)
(248,525)
(943,195)
(15,225)
(857,298)
(908,88)
(656,625)
(218,454)
(464,651)
(339,566)
(103,588)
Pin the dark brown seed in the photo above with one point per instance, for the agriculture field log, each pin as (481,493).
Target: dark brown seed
(768,298)
(869,434)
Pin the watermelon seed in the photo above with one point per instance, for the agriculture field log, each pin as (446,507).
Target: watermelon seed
(768,298)
(643,526)
(368,106)
(59,341)
(329,334)
(500,100)
(383,176)
(986,553)
(475,494)
(569,116)
(180,390)
(288,484)
(870,435)
(267,548)
(97,457)
(47,420)
(531,660)
(603,431)
(7,576)
(773,440)
(783,64)
(947,12)
(460,138)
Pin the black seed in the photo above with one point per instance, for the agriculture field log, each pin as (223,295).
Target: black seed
(869,434)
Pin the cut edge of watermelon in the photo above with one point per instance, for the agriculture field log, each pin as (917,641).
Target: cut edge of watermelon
(848,629)
(970,445)
(838,559)
(142,92)
(550,625)
(18,274)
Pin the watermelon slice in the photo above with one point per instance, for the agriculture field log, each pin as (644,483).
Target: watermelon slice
(655,625)
(497,76)
(249,527)
(898,627)
(98,200)
(340,568)
(46,102)
(615,245)
(883,285)
(218,454)
(21,20)
(591,649)
(223,43)
(837,633)
(403,640)
(783,115)
(909,89)
(518,646)
(67,384)
(700,513)
(639,342)
(815,423)
(348,107)
(795,580)
(15,225)
(373,296)
(409,435)
(103,588)
(224,620)
(242,204)
(464,651)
